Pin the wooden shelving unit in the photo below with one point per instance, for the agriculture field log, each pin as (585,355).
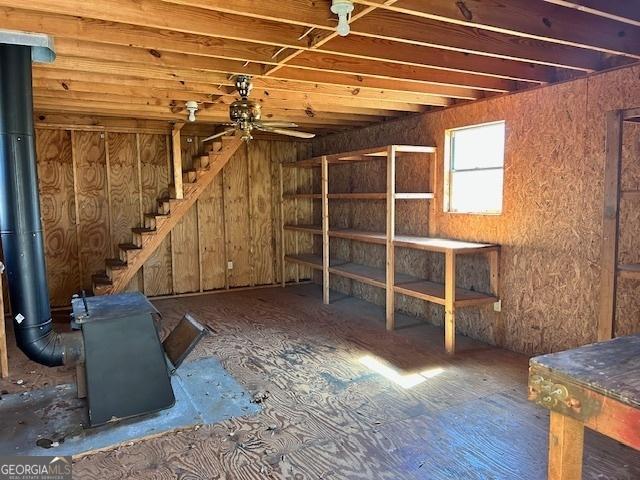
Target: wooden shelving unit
(446,294)
(612,269)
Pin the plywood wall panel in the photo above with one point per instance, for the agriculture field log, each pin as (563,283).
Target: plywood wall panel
(184,237)
(119,176)
(262,222)
(211,237)
(236,214)
(57,204)
(550,228)
(124,180)
(92,196)
(154,170)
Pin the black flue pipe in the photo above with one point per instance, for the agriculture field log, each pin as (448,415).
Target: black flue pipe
(20,223)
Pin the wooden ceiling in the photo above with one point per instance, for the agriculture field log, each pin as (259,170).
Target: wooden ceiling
(145,58)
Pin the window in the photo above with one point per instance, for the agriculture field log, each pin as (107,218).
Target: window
(474,170)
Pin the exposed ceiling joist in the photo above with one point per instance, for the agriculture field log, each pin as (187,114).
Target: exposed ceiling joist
(620,10)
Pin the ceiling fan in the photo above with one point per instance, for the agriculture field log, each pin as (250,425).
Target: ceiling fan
(245,116)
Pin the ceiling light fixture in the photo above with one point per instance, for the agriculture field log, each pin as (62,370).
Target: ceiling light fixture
(343,9)
(192,108)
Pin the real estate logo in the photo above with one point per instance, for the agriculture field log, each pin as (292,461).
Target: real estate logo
(35,468)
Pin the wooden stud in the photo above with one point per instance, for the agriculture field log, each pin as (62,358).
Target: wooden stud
(325,231)
(610,226)
(390,234)
(282,222)
(297,220)
(566,442)
(450,302)
(109,206)
(4,357)
(494,286)
(177,160)
(74,162)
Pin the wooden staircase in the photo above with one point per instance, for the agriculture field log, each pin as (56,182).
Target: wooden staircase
(157,225)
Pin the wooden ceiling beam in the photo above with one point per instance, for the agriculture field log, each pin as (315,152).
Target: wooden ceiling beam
(267,98)
(308,60)
(99,31)
(213,113)
(269,105)
(348,65)
(373,48)
(620,11)
(166,16)
(263,86)
(160,71)
(529,19)
(448,32)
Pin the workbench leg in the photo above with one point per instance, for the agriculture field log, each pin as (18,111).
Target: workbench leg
(566,441)
(450,302)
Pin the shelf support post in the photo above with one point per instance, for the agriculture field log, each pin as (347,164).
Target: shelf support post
(450,302)
(391,229)
(325,230)
(610,225)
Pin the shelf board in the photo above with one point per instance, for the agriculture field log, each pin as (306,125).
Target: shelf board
(629,270)
(378,238)
(631,194)
(360,155)
(434,292)
(405,284)
(441,245)
(359,196)
(374,276)
(414,196)
(302,196)
(314,229)
(438,245)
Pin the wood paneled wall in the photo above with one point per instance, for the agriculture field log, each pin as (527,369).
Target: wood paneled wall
(95,185)
(551,226)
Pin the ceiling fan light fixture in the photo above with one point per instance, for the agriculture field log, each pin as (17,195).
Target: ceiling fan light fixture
(342,8)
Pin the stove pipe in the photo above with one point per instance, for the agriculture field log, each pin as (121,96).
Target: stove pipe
(20,224)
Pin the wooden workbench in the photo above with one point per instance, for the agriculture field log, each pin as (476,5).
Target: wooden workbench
(597,386)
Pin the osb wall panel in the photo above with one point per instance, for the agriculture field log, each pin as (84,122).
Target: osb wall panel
(550,229)
(96,185)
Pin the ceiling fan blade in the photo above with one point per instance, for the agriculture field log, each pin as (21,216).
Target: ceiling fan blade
(276,124)
(212,137)
(282,131)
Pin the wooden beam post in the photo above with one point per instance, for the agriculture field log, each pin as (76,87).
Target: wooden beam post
(494,286)
(177,159)
(391,229)
(325,230)
(450,302)
(610,226)
(566,442)
(4,357)
(282,221)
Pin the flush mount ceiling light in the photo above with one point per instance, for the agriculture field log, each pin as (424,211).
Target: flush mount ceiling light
(343,9)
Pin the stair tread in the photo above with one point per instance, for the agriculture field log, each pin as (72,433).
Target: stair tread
(115,263)
(154,215)
(143,230)
(129,246)
(100,279)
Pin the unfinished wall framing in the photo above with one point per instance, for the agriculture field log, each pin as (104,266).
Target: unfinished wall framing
(550,228)
(96,183)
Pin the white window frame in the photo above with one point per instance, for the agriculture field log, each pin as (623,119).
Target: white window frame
(448,170)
